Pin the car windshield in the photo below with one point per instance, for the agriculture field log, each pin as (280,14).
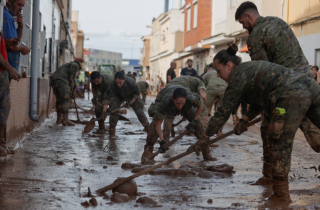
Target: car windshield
(106,69)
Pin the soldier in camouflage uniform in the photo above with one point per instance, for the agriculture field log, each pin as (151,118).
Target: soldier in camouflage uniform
(167,106)
(195,85)
(61,80)
(144,87)
(279,92)
(271,39)
(123,89)
(100,84)
(215,88)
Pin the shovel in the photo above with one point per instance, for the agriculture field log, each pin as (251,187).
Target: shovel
(147,155)
(189,151)
(173,133)
(78,120)
(91,123)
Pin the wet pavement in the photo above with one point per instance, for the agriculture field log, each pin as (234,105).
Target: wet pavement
(54,166)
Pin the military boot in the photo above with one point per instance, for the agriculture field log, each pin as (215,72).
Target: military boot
(280,191)
(3,151)
(148,147)
(235,119)
(66,121)
(59,117)
(267,170)
(112,131)
(102,126)
(146,129)
(206,154)
(219,133)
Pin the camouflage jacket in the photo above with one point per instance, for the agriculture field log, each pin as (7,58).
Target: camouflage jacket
(211,80)
(128,91)
(66,72)
(191,83)
(273,40)
(258,83)
(167,107)
(103,87)
(143,87)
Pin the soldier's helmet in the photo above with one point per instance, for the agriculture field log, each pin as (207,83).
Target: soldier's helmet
(79,64)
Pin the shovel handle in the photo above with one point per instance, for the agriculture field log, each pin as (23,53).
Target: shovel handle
(120,182)
(174,125)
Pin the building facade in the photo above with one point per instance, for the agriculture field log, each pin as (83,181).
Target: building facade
(303,17)
(54,49)
(145,56)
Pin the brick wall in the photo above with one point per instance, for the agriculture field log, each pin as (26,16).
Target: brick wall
(204,23)
(19,122)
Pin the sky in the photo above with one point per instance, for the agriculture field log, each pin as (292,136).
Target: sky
(117,25)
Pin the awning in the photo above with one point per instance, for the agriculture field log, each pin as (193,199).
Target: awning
(244,49)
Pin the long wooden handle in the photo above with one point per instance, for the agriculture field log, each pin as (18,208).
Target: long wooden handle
(174,125)
(191,150)
(168,144)
(74,100)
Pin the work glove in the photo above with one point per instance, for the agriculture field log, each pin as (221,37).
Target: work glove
(128,104)
(192,126)
(241,127)
(162,149)
(103,116)
(197,146)
(94,100)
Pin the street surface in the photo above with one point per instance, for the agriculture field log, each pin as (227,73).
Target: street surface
(54,166)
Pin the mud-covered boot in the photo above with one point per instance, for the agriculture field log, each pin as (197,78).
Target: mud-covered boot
(66,121)
(280,191)
(59,117)
(235,119)
(206,154)
(219,133)
(146,129)
(112,132)
(102,126)
(267,170)
(3,144)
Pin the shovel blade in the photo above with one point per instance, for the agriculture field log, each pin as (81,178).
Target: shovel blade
(90,125)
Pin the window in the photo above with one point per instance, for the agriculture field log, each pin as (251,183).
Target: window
(188,19)
(103,61)
(195,16)
(109,61)
(233,3)
(98,60)
(114,62)
(91,59)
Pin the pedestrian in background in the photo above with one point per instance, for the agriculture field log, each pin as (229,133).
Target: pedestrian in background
(315,71)
(14,8)
(171,74)
(5,102)
(189,71)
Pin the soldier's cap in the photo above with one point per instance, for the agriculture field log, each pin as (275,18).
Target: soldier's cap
(79,64)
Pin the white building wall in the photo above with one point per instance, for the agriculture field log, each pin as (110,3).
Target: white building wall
(311,48)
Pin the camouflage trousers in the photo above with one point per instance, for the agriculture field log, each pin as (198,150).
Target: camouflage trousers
(214,94)
(97,108)
(189,115)
(5,102)
(300,99)
(137,108)
(62,92)
(144,96)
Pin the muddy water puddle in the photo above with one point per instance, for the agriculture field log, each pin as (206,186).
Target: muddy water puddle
(54,167)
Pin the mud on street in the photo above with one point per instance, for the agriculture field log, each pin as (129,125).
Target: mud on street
(54,166)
